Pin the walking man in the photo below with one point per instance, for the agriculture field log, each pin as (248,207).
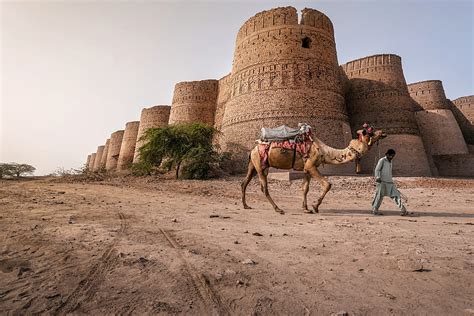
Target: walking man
(385,185)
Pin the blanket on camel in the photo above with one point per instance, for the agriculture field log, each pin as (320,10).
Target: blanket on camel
(298,140)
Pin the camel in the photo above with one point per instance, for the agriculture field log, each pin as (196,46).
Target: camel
(319,154)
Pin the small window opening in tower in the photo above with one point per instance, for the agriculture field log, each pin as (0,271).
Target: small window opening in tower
(306,42)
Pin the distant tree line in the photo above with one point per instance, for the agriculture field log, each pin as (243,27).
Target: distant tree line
(13,169)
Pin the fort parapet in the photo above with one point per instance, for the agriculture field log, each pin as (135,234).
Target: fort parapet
(127,149)
(156,116)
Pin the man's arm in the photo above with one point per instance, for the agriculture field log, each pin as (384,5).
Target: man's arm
(378,170)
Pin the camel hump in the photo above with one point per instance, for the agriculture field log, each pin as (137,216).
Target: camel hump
(284,132)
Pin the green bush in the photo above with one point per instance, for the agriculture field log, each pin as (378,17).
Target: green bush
(187,148)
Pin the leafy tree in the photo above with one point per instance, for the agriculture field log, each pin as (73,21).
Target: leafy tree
(6,170)
(15,169)
(186,147)
(23,168)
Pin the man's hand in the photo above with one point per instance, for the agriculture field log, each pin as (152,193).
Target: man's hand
(378,180)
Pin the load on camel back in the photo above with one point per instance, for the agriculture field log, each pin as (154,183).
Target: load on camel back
(298,149)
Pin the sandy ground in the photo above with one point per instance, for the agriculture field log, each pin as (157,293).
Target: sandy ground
(148,245)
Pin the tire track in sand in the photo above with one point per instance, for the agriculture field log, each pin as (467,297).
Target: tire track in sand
(208,295)
(87,288)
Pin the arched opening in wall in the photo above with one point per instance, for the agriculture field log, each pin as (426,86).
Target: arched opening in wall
(306,42)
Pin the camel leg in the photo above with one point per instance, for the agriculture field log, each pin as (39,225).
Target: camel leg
(306,181)
(251,171)
(324,184)
(262,176)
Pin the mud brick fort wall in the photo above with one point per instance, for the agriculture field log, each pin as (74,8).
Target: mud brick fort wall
(127,149)
(156,116)
(286,71)
(114,150)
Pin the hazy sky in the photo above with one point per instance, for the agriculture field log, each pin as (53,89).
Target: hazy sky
(73,72)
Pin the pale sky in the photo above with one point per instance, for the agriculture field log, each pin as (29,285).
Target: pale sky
(73,72)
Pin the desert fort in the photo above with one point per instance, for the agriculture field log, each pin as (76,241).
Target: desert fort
(286,71)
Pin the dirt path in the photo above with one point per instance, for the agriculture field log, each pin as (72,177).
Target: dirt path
(177,247)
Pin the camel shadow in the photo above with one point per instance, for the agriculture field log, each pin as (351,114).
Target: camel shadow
(394,213)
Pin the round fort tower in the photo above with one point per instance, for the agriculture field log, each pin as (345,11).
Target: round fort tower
(98,157)
(378,94)
(114,150)
(440,131)
(156,116)
(127,149)
(91,162)
(194,101)
(284,72)
(463,109)
(87,161)
(103,160)
(428,95)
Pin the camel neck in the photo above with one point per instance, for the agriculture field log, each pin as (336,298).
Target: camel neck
(340,156)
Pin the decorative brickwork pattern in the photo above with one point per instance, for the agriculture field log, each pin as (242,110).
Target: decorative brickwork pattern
(98,157)
(194,101)
(114,150)
(156,116)
(127,149)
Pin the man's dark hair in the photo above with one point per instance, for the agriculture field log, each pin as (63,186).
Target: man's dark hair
(390,152)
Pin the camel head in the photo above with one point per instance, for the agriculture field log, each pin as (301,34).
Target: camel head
(369,135)
(366,137)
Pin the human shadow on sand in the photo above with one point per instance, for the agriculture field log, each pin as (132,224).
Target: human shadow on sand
(394,213)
